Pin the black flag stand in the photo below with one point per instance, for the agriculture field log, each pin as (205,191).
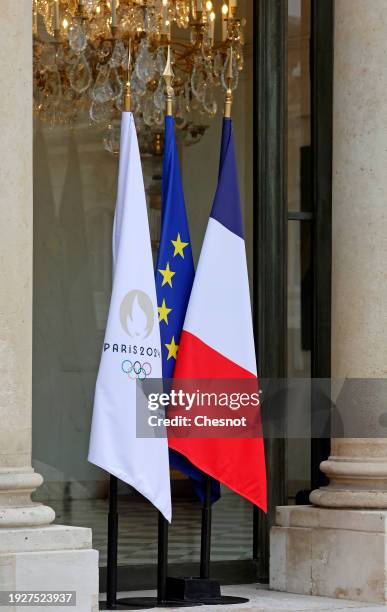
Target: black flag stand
(200,590)
(135,603)
(171,592)
(211,588)
(162,561)
(111,602)
(138,603)
(111,573)
(205,542)
(132,603)
(255,534)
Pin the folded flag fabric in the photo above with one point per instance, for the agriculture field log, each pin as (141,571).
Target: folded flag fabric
(174,278)
(217,339)
(132,347)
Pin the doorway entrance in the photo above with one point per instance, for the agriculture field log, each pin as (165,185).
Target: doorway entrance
(282,118)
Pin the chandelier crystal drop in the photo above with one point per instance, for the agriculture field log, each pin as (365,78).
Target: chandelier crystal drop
(81,61)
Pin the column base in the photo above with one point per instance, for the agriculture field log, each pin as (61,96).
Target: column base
(330,553)
(16,507)
(52,558)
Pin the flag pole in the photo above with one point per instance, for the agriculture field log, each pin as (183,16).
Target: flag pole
(112,548)
(112,543)
(229,81)
(128,87)
(162,548)
(111,569)
(205,543)
(168,78)
(162,552)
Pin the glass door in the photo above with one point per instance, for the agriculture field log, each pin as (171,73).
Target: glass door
(75,176)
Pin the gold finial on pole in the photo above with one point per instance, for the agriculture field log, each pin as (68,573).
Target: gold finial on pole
(229,82)
(168,77)
(128,88)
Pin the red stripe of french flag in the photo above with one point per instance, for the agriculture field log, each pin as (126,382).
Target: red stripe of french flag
(237,463)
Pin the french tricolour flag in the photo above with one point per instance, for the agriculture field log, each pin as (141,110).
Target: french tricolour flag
(217,339)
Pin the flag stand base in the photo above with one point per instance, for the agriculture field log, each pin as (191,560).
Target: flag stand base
(148,603)
(181,592)
(121,605)
(193,589)
(143,603)
(197,591)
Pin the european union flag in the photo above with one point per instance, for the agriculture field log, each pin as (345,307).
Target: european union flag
(175,267)
(174,279)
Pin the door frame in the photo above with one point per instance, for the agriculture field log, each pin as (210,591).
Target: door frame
(322,57)
(270,237)
(270,225)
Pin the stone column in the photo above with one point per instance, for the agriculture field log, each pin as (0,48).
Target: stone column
(33,554)
(17,478)
(338,548)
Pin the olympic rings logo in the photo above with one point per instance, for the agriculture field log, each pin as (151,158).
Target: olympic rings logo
(136,369)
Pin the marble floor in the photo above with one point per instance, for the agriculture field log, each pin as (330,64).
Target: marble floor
(263,600)
(231,535)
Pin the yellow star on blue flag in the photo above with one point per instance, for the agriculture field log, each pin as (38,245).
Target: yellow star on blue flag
(167,275)
(179,246)
(172,349)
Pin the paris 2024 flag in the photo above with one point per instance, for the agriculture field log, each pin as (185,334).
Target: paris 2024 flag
(217,339)
(131,349)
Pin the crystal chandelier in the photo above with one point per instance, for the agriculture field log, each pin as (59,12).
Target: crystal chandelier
(81,61)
